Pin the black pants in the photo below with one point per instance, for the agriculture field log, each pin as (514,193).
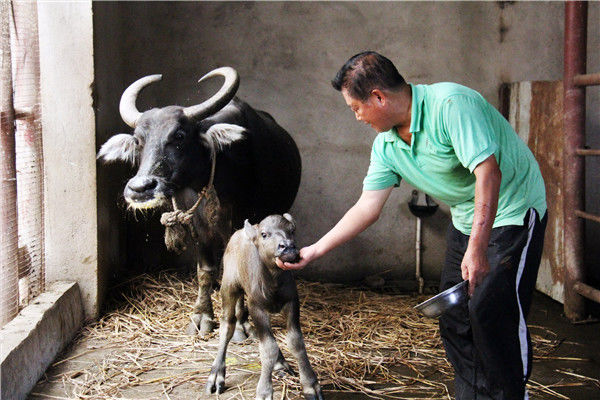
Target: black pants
(486,340)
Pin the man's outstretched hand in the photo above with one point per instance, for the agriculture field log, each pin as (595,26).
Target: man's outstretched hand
(307,254)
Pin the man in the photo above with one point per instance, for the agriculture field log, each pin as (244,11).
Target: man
(447,141)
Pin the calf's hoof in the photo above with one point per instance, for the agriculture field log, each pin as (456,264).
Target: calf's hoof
(239,335)
(215,383)
(264,397)
(313,392)
(282,367)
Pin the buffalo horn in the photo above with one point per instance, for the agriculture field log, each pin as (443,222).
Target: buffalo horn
(127,108)
(219,99)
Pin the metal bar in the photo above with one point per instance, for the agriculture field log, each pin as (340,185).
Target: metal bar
(587,152)
(23,113)
(9,294)
(30,157)
(587,291)
(574,138)
(587,79)
(584,215)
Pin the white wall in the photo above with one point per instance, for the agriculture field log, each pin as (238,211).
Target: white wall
(286,53)
(69,140)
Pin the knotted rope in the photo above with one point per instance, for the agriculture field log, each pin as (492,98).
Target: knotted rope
(178,223)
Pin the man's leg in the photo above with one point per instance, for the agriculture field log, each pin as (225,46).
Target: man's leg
(455,327)
(499,306)
(487,341)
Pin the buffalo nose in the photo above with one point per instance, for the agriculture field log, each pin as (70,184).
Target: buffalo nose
(141,184)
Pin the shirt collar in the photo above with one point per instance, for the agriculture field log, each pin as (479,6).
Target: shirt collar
(391,135)
(416,115)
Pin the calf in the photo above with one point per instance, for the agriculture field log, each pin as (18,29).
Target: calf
(249,268)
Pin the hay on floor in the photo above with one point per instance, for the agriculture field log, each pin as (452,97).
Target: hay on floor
(358,341)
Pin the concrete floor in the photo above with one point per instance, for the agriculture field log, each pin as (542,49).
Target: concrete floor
(572,371)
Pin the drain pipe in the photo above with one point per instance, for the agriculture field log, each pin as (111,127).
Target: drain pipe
(420,206)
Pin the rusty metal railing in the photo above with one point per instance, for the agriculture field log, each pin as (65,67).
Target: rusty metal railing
(22,253)
(575,82)
(9,294)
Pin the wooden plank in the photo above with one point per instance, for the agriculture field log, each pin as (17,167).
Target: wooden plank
(546,143)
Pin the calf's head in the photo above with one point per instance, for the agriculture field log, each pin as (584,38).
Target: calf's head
(274,238)
(167,145)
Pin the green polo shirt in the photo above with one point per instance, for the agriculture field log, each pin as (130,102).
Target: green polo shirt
(453,130)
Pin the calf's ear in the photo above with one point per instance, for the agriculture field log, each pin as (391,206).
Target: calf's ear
(290,219)
(223,135)
(121,147)
(250,231)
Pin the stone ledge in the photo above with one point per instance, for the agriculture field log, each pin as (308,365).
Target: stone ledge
(36,335)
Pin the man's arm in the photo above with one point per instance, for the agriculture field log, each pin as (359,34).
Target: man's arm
(475,265)
(364,213)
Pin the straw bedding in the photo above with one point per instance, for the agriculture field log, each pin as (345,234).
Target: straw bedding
(358,341)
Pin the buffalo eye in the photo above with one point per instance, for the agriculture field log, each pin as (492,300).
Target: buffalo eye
(264,235)
(179,135)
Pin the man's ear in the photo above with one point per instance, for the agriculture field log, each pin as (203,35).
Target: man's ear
(379,96)
(121,147)
(250,231)
(223,135)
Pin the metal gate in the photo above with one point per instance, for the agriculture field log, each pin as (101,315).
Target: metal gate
(21,186)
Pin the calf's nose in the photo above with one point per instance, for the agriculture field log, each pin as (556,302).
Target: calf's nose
(287,245)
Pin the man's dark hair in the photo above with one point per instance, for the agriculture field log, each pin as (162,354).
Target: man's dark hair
(366,71)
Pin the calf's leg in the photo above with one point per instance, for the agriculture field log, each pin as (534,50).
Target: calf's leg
(308,379)
(242,326)
(269,352)
(216,379)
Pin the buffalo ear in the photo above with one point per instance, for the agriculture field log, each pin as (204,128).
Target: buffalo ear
(121,147)
(250,231)
(224,134)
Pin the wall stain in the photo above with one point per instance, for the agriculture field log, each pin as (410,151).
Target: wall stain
(503,27)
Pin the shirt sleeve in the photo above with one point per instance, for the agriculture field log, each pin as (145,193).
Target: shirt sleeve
(468,126)
(379,176)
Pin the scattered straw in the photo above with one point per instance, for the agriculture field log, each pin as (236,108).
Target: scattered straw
(358,341)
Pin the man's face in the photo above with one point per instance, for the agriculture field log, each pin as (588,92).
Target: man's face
(372,112)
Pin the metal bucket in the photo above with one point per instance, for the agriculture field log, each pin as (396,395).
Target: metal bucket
(435,306)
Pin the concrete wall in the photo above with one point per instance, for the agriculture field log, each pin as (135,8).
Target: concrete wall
(286,53)
(68,126)
(36,335)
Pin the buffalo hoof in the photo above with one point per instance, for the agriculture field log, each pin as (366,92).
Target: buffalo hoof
(200,325)
(207,326)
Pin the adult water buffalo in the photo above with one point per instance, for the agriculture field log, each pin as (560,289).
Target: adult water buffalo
(212,165)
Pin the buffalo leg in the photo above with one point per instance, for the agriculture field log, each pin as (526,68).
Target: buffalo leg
(207,262)
(216,379)
(203,315)
(308,379)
